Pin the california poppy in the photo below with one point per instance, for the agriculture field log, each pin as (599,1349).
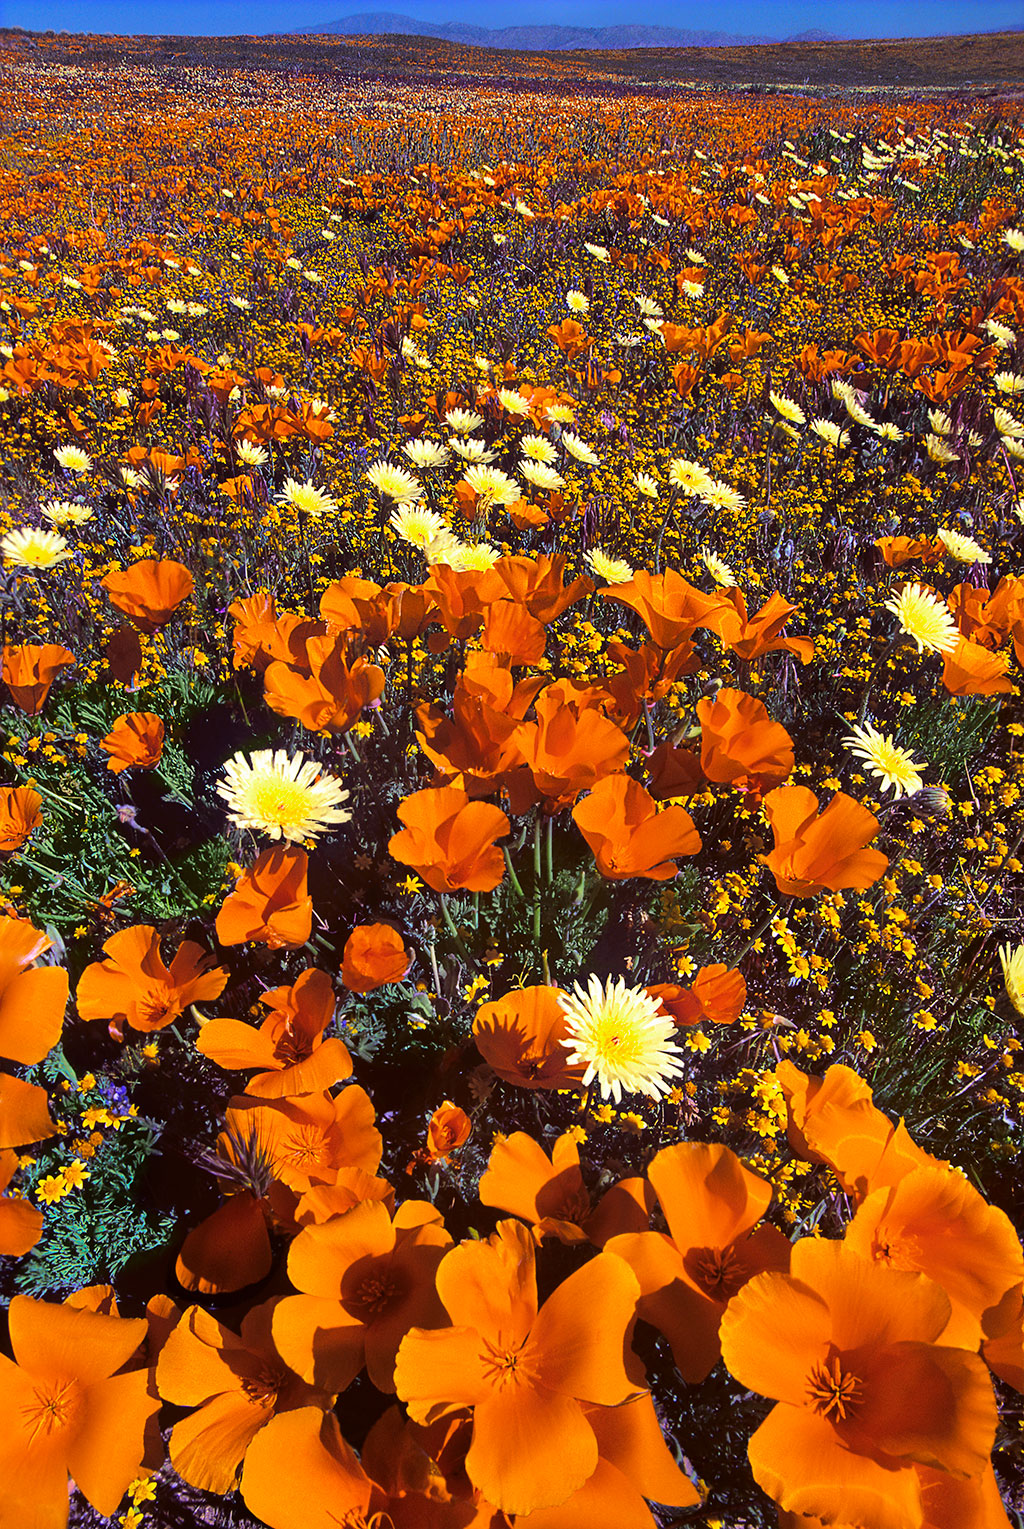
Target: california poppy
(134,987)
(629,836)
(300,1473)
(366,1278)
(289,1044)
(304,1140)
(135,742)
(24,1112)
(712,1205)
(526,1372)
(374,955)
(21,1223)
(814,853)
(570,747)
(29,671)
(20,813)
(849,1350)
(450,841)
(970,669)
(32,998)
(716,996)
(549,1192)
(513,634)
(935,1221)
(751,637)
(233,1385)
(270,904)
(522,1038)
(536,584)
(328,695)
(68,1407)
(740,744)
(833,1120)
(449,1129)
(669,606)
(149,592)
(477,745)
(229,1249)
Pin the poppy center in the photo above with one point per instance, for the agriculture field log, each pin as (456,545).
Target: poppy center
(717,1271)
(155,1010)
(262,1388)
(503,1366)
(835,1393)
(373,1295)
(898,1252)
(55,1406)
(304,1148)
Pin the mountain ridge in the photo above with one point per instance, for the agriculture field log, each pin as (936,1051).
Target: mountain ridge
(540,38)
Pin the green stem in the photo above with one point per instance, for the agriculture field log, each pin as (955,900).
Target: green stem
(453,927)
(352,748)
(517,885)
(550,851)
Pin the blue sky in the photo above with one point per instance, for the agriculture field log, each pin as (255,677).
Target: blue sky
(847,18)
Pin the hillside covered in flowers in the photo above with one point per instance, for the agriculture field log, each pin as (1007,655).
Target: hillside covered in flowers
(512,814)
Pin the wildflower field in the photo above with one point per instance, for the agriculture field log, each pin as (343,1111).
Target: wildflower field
(512,814)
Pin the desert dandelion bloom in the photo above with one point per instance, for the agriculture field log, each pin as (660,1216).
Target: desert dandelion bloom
(614,570)
(577,302)
(578,448)
(542,476)
(689,476)
(537,448)
(306,498)
(833,435)
(718,569)
(492,486)
(29,548)
(895,767)
(964,549)
(418,526)
(926,618)
(393,482)
(1012,960)
(73,458)
(425,454)
(61,512)
(292,799)
(647,485)
(787,408)
(623,1037)
(463,421)
(251,454)
(472,555)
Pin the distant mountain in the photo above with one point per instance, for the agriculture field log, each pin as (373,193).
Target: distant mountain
(541,39)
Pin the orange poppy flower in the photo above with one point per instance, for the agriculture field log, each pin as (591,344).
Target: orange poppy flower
(69,1407)
(374,955)
(947,1502)
(525,1372)
(300,1473)
(750,637)
(418,1477)
(21,1224)
(448,1130)
(366,1280)
(549,1192)
(134,987)
(149,592)
(228,1250)
(1003,1343)
(304,1140)
(29,671)
(19,814)
(476,746)
(740,744)
(234,1385)
(462,597)
(971,669)
(935,1221)
(332,694)
(848,1349)
(833,1120)
(289,1043)
(24,1113)
(513,634)
(897,550)
(815,853)
(628,836)
(521,1038)
(32,998)
(135,742)
(569,748)
(674,772)
(270,904)
(712,1205)
(536,583)
(634,1462)
(669,606)
(351,1187)
(450,841)
(716,996)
